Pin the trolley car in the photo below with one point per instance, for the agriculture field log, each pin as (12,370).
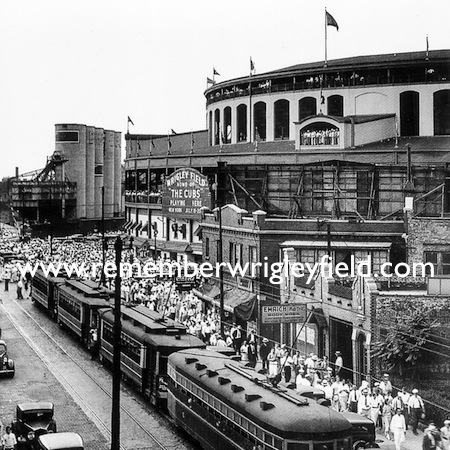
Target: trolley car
(147,339)
(225,405)
(43,291)
(78,303)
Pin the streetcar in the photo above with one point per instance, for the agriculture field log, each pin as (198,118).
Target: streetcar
(223,404)
(78,304)
(147,339)
(43,291)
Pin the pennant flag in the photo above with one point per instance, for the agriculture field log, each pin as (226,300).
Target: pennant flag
(152,143)
(192,141)
(169,144)
(130,121)
(209,81)
(173,131)
(427,54)
(252,65)
(215,72)
(322,99)
(331,21)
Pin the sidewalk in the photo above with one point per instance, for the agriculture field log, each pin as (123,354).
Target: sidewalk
(412,441)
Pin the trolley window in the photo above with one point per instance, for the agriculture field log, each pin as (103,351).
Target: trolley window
(298,446)
(323,446)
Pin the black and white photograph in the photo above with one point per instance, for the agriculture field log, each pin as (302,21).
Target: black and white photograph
(224,225)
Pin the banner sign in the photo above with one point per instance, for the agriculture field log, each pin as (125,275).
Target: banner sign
(185,192)
(287,313)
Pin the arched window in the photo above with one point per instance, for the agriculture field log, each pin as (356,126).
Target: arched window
(307,106)
(260,120)
(319,133)
(210,128)
(441,109)
(227,125)
(241,116)
(409,113)
(281,119)
(335,104)
(216,126)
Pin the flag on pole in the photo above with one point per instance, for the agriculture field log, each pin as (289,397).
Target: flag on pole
(130,121)
(427,54)
(252,66)
(215,72)
(331,21)
(209,81)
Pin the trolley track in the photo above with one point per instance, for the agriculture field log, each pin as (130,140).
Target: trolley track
(13,315)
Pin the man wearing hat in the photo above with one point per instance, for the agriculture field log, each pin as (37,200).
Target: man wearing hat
(431,438)
(264,351)
(398,428)
(385,384)
(339,363)
(445,435)
(364,403)
(415,408)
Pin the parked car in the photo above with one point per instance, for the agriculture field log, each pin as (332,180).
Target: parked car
(60,441)
(6,363)
(33,419)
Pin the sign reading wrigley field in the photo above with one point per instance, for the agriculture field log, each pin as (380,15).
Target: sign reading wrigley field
(185,192)
(287,313)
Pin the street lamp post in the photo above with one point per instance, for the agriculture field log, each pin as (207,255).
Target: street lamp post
(115,414)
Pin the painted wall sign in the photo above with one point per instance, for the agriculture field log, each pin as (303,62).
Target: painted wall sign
(287,313)
(185,192)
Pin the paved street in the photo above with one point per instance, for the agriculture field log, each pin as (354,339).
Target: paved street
(50,365)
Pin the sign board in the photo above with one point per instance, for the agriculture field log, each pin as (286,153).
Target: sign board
(287,313)
(185,192)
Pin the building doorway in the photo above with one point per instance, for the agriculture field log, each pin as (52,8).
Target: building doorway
(341,340)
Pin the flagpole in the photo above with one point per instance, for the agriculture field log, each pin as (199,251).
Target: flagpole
(326,60)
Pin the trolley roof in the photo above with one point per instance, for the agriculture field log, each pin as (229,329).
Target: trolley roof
(250,393)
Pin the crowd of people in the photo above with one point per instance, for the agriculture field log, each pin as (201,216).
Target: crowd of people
(392,412)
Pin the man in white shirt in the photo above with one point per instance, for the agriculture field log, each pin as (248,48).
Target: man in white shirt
(398,428)
(364,403)
(415,408)
(9,441)
(445,435)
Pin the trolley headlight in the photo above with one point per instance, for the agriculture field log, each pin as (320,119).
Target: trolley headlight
(30,435)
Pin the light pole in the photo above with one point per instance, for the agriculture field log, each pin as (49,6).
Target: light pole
(115,414)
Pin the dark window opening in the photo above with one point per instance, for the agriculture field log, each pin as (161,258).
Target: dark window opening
(241,113)
(260,121)
(307,107)
(216,127)
(409,113)
(281,115)
(335,104)
(227,125)
(441,109)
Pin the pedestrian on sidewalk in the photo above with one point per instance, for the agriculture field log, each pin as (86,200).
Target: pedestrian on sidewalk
(432,438)
(416,408)
(19,289)
(445,435)
(264,351)
(386,414)
(398,428)
(9,441)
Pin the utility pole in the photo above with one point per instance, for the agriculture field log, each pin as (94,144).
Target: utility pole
(115,415)
(103,276)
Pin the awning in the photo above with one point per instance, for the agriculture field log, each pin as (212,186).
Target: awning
(133,226)
(174,246)
(139,226)
(337,244)
(235,300)
(145,228)
(198,232)
(318,317)
(127,225)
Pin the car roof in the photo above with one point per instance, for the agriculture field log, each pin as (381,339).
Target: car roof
(29,406)
(60,441)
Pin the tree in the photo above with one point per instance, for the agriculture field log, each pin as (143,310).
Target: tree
(405,345)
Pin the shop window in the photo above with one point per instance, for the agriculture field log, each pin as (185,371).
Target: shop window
(440,261)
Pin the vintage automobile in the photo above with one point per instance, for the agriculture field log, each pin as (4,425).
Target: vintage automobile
(60,441)
(33,419)
(6,363)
